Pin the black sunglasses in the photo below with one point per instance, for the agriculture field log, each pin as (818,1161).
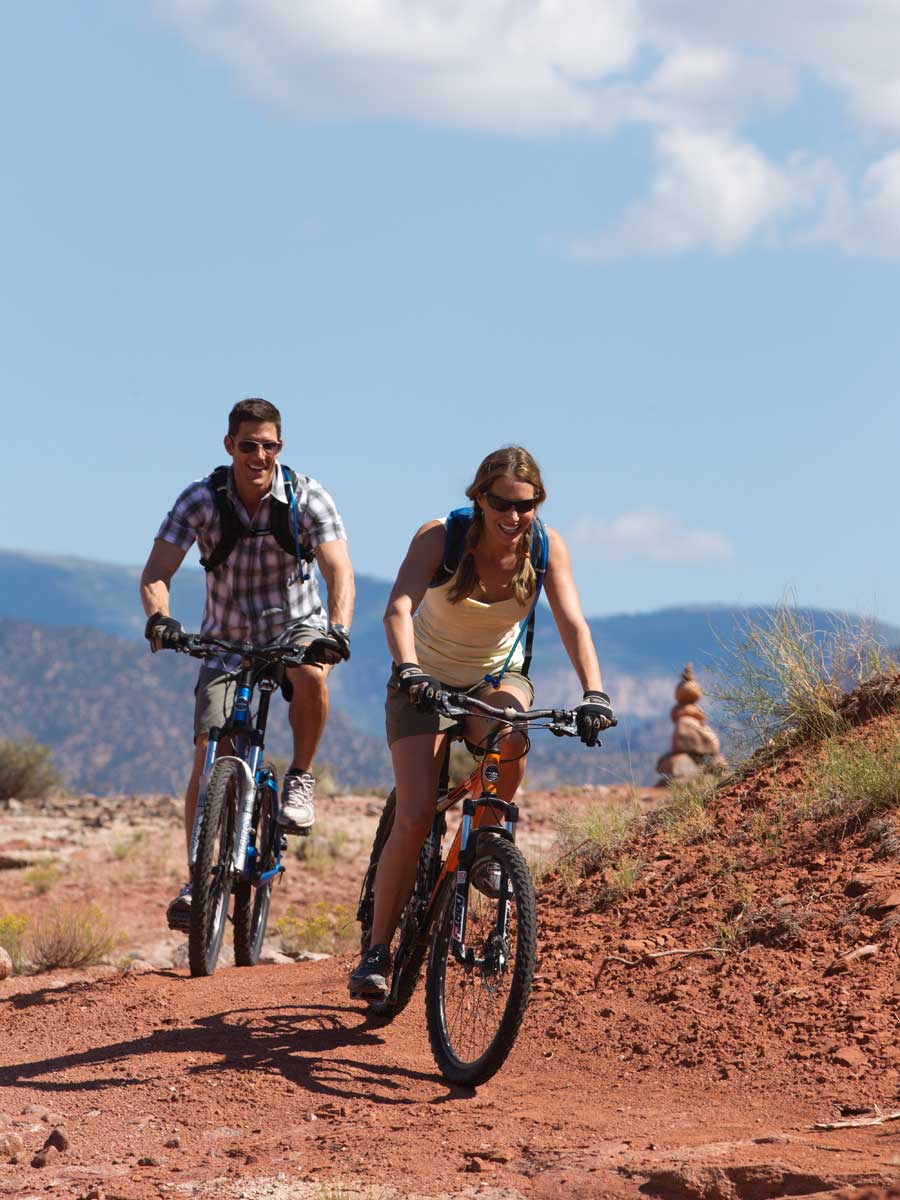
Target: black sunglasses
(249,447)
(501,504)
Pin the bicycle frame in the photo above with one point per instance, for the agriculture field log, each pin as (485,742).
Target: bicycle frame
(248,739)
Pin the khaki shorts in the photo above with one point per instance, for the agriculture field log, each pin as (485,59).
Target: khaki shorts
(214,691)
(402,719)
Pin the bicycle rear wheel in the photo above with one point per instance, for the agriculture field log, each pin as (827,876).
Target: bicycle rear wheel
(212,873)
(408,945)
(251,903)
(475,1008)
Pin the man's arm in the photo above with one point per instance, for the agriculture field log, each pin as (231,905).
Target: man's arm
(164,561)
(333,559)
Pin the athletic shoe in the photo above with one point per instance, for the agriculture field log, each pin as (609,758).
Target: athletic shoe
(298,809)
(178,914)
(368,981)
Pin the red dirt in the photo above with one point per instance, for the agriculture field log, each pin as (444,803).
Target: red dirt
(677,1076)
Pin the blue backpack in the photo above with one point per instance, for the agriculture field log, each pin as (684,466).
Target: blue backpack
(458,523)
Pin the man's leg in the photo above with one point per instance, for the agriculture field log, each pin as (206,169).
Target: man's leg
(307,715)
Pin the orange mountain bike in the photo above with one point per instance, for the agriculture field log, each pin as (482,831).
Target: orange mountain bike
(473,912)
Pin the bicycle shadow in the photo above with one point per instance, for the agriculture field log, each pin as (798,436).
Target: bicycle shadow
(298,1044)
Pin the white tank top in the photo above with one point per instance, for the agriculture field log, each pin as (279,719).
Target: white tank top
(461,643)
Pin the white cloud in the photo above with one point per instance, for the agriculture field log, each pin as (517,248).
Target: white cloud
(649,536)
(710,191)
(697,74)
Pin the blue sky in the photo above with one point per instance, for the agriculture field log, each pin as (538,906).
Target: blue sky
(655,242)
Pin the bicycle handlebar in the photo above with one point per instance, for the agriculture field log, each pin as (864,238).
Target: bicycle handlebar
(561,721)
(198,645)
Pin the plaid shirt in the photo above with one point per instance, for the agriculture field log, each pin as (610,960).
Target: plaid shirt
(257,594)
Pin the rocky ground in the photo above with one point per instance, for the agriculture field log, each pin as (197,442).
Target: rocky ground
(722,1028)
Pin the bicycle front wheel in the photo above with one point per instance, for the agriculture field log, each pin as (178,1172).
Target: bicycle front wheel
(251,901)
(212,874)
(474,1007)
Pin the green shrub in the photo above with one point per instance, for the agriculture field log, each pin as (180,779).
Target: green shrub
(42,877)
(784,675)
(79,936)
(25,770)
(686,815)
(855,781)
(12,934)
(324,929)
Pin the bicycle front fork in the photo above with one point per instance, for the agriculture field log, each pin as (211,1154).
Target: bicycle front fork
(468,847)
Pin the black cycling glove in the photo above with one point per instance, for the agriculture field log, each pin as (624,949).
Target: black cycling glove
(163,633)
(334,647)
(592,716)
(423,690)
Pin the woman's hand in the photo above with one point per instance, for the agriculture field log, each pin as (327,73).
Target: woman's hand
(592,716)
(422,690)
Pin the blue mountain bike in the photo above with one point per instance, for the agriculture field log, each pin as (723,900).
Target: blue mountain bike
(236,843)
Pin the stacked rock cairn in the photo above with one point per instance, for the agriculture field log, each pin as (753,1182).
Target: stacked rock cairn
(695,747)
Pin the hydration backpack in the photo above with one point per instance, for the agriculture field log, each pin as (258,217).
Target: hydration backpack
(457,527)
(284,522)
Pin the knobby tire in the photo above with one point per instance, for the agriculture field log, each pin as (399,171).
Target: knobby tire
(211,876)
(474,1013)
(251,904)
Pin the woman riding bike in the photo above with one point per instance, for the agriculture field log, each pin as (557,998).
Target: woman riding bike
(461,633)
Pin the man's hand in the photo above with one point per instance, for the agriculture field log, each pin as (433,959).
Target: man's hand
(334,647)
(163,632)
(592,716)
(423,690)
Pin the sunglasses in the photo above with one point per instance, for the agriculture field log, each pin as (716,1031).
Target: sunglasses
(249,447)
(501,504)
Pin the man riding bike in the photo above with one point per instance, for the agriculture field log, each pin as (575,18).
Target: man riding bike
(259,527)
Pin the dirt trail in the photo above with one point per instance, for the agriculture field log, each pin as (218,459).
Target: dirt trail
(695,1077)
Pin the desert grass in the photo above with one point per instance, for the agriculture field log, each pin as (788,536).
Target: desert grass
(688,814)
(42,877)
(321,929)
(73,936)
(855,780)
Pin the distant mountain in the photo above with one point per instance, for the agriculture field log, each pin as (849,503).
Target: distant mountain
(72,653)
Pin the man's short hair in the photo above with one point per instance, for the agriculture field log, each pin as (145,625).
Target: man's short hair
(253,409)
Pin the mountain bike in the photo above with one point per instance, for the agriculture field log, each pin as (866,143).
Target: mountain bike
(236,843)
(473,912)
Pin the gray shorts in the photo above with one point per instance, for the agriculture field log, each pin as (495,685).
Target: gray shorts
(403,719)
(214,690)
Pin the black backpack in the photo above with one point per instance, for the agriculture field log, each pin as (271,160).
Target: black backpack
(284,521)
(458,523)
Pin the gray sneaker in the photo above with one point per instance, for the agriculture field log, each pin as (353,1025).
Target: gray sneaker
(298,808)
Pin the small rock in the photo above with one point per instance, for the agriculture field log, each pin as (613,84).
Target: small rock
(5,964)
(48,1154)
(39,1111)
(95,1193)
(58,1138)
(10,1143)
(148,1161)
(887,904)
(173,1143)
(850,1056)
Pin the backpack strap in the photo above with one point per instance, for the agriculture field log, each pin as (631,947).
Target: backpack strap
(540,557)
(232,528)
(455,530)
(284,522)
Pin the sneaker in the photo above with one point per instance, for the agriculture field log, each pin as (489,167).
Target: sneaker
(298,809)
(369,980)
(485,878)
(178,914)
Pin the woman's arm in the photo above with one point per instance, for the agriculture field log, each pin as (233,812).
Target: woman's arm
(566,608)
(425,554)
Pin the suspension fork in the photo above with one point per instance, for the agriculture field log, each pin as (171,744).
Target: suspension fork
(472,811)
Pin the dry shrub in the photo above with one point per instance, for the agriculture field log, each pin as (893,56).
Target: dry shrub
(77,936)
(25,770)
(325,929)
(42,877)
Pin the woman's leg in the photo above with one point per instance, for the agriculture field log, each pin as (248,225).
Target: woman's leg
(513,745)
(417,766)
